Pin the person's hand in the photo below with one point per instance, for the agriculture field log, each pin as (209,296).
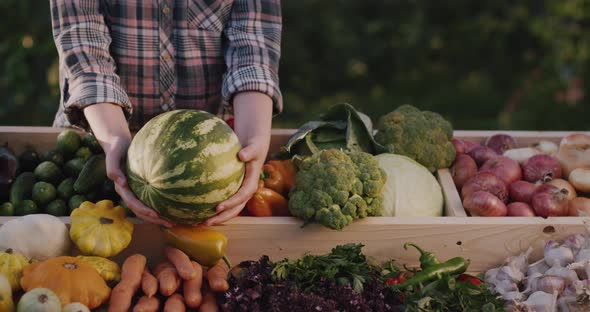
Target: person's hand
(253,119)
(110,129)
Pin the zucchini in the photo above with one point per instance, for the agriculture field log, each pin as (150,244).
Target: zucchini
(92,176)
(22,187)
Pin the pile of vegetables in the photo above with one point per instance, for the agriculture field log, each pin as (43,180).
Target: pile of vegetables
(345,173)
(57,181)
(344,280)
(557,282)
(500,179)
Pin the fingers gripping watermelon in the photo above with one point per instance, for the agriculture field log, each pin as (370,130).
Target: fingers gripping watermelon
(183,163)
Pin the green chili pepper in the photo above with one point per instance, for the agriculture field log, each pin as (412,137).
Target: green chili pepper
(427,259)
(453,266)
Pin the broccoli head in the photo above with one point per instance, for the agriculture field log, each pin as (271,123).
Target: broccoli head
(421,135)
(334,188)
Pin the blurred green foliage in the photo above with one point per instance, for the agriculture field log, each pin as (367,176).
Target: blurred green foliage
(488,64)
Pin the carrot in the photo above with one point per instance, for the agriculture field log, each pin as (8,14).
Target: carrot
(132,268)
(192,288)
(167,277)
(149,284)
(175,303)
(181,261)
(209,301)
(147,304)
(217,277)
(131,272)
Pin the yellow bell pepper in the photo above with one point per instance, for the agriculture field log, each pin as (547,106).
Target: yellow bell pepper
(100,229)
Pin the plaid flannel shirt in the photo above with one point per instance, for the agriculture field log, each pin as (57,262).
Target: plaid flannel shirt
(149,57)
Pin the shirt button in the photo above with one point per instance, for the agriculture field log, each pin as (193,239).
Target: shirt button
(166,10)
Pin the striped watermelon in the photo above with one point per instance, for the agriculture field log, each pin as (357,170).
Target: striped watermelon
(183,163)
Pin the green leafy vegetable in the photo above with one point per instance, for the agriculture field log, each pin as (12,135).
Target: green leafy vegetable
(341,127)
(345,265)
(449,295)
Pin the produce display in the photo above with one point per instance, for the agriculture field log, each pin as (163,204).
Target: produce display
(57,181)
(331,172)
(346,280)
(545,179)
(557,282)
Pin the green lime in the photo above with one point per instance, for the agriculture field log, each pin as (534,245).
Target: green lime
(74,166)
(76,201)
(28,160)
(68,142)
(7,209)
(90,141)
(53,156)
(57,208)
(83,152)
(49,172)
(65,189)
(127,210)
(43,193)
(26,207)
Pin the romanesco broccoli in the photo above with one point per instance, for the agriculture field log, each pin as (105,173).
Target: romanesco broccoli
(334,188)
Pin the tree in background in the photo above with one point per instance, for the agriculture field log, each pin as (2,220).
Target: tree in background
(490,64)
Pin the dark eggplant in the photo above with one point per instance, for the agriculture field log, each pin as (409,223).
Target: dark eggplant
(8,168)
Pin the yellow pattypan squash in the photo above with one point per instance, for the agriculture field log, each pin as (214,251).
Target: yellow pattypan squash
(6,303)
(108,270)
(100,229)
(11,266)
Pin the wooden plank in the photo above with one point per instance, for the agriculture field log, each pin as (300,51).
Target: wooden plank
(453,206)
(486,241)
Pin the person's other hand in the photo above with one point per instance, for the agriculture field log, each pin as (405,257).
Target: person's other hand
(253,121)
(110,129)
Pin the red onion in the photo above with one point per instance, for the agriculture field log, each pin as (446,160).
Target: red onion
(522,191)
(469,145)
(481,154)
(541,168)
(500,143)
(484,204)
(519,209)
(463,169)
(550,201)
(486,181)
(505,168)
(459,146)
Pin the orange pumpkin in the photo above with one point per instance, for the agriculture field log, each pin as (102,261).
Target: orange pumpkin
(72,280)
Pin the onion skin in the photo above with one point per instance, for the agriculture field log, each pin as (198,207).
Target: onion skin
(500,143)
(522,191)
(486,181)
(481,154)
(580,179)
(463,169)
(484,204)
(541,168)
(563,184)
(469,145)
(459,146)
(550,201)
(505,168)
(574,152)
(520,209)
(579,207)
